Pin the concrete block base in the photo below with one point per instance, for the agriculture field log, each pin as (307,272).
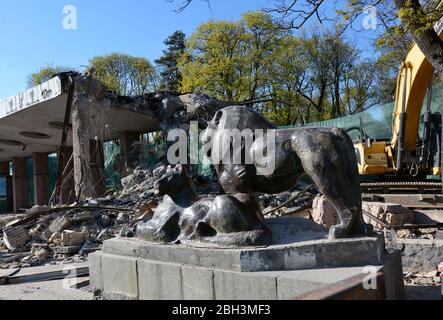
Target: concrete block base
(132,269)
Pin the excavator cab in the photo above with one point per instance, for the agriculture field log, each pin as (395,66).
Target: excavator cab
(371,154)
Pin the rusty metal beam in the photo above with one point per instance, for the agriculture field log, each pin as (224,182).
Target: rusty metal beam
(61,153)
(349,289)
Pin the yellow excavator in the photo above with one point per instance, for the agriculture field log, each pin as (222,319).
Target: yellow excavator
(406,153)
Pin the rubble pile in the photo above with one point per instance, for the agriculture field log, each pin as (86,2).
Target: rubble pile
(389,213)
(296,202)
(137,187)
(61,235)
(422,278)
(65,234)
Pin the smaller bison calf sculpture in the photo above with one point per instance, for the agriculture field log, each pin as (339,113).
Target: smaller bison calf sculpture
(225,220)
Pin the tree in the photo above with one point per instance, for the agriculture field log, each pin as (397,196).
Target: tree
(213,61)
(125,74)
(361,86)
(230,60)
(44,74)
(287,80)
(170,73)
(401,15)
(254,62)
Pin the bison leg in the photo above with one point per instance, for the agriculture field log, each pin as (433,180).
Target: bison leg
(328,157)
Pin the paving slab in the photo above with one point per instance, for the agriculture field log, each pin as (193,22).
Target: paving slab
(48,272)
(46,290)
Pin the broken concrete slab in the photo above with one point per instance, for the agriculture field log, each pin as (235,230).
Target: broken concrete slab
(84,216)
(15,237)
(323,212)
(58,225)
(428,216)
(45,273)
(5,274)
(66,249)
(390,213)
(73,238)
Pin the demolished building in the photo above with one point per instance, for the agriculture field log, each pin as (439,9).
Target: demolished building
(73,115)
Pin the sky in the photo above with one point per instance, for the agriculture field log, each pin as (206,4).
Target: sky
(32,32)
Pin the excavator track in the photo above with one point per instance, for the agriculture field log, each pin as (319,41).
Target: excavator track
(389,186)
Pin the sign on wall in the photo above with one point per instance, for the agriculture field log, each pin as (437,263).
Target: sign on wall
(46,91)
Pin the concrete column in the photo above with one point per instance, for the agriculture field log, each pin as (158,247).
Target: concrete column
(98,167)
(4,172)
(20,184)
(4,168)
(41,178)
(127,138)
(67,190)
(88,108)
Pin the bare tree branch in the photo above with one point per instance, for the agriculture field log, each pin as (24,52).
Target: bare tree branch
(293,14)
(186,3)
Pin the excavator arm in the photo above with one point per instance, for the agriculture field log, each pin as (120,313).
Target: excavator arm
(399,154)
(412,83)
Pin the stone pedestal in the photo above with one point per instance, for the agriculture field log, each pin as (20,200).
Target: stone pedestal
(300,260)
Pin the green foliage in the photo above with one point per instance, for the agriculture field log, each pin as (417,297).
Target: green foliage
(213,62)
(170,73)
(44,74)
(314,77)
(230,60)
(125,74)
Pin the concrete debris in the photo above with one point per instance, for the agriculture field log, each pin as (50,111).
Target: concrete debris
(285,206)
(73,238)
(389,213)
(6,219)
(58,225)
(422,279)
(323,212)
(60,235)
(66,249)
(14,238)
